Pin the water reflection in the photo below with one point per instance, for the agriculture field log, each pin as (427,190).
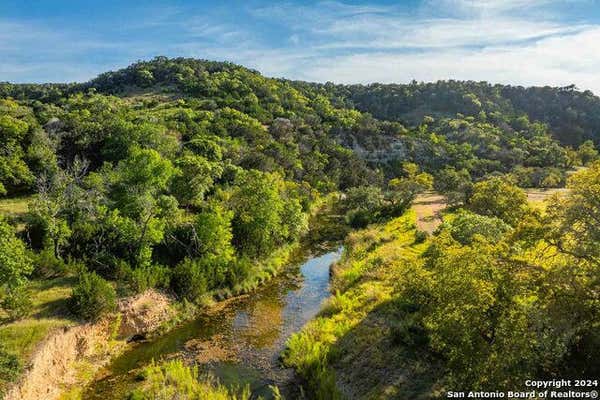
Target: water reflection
(242,342)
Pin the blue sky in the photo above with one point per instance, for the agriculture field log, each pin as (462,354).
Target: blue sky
(526,42)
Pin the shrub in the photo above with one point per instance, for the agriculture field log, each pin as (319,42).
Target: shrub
(140,279)
(189,280)
(15,267)
(92,297)
(46,265)
(497,197)
(239,271)
(363,205)
(16,302)
(466,225)
(10,366)
(420,236)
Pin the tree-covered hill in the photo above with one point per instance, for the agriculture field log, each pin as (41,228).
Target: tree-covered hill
(572,116)
(198,177)
(130,167)
(473,127)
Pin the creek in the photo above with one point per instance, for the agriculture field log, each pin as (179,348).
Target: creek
(241,342)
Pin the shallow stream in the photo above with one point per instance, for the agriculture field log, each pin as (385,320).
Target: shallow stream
(241,342)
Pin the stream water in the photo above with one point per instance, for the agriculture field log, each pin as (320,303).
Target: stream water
(241,343)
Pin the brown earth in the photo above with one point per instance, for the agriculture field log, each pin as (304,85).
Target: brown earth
(144,313)
(428,207)
(539,195)
(53,369)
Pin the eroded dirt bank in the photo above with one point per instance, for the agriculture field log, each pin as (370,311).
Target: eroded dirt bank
(70,356)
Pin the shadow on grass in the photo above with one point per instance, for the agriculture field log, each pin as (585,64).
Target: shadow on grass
(53,308)
(383,357)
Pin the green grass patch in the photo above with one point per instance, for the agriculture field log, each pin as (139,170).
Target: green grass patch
(174,380)
(350,350)
(15,209)
(49,300)
(14,206)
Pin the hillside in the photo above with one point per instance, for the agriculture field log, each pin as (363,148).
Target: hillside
(572,116)
(201,180)
(299,127)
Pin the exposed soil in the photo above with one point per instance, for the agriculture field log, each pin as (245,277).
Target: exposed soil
(428,207)
(144,313)
(539,195)
(53,369)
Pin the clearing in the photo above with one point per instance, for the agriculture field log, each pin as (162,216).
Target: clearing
(428,207)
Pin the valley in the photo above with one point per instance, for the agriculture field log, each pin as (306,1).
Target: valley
(186,228)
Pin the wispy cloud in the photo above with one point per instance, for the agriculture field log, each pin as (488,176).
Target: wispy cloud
(528,42)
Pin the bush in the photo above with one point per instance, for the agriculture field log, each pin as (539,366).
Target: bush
(16,302)
(363,205)
(238,271)
(498,197)
(420,236)
(466,225)
(138,280)
(189,280)
(15,267)
(10,366)
(46,265)
(92,297)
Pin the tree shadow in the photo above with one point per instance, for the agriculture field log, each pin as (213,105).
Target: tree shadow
(371,362)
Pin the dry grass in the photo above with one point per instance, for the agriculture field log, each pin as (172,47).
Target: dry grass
(49,300)
(538,195)
(428,207)
(16,206)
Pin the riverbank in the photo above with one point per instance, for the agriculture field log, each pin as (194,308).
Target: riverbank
(63,355)
(68,356)
(240,344)
(353,348)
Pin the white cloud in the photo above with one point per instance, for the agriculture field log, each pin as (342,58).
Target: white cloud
(507,41)
(557,61)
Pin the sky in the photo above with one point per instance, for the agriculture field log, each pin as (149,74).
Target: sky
(521,42)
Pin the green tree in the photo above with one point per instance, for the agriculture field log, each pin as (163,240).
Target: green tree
(455,185)
(496,197)
(15,266)
(92,297)
(257,207)
(402,191)
(587,152)
(194,179)
(575,219)
(466,225)
(140,203)
(14,172)
(363,205)
(49,209)
(212,234)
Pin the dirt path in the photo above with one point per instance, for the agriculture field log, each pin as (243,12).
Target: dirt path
(538,195)
(428,207)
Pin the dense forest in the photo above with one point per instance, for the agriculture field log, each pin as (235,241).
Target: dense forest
(199,178)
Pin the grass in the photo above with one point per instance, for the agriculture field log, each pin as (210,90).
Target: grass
(16,206)
(15,209)
(173,379)
(265,271)
(49,299)
(349,349)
